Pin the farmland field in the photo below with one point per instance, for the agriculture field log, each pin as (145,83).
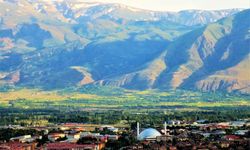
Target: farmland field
(93,104)
(118,98)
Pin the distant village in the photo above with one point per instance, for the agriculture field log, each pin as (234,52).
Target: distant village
(172,135)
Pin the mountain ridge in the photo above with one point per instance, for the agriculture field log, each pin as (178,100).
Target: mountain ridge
(104,47)
(179,78)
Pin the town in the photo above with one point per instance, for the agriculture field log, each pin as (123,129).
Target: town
(172,135)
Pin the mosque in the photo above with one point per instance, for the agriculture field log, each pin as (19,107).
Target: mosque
(151,134)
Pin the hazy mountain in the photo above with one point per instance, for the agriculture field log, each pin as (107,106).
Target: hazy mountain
(50,44)
(215,57)
(77,10)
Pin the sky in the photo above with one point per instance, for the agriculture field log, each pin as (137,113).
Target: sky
(177,5)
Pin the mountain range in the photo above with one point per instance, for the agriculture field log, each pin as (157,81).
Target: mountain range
(60,44)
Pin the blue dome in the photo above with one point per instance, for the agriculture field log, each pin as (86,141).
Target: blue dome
(148,133)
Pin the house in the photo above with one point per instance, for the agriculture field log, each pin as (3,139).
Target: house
(164,138)
(23,139)
(205,134)
(202,121)
(237,123)
(54,136)
(71,146)
(112,137)
(15,145)
(174,122)
(92,140)
(224,144)
(105,126)
(172,148)
(78,129)
(219,132)
(231,137)
(73,136)
(108,127)
(241,132)
(83,134)
(113,129)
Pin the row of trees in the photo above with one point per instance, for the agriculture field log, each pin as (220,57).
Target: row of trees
(45,117)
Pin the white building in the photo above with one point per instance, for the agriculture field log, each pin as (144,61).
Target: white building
(149,134)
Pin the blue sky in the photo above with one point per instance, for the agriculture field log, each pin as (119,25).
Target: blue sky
(176,5)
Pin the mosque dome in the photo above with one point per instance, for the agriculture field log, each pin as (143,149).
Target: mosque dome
(148,133)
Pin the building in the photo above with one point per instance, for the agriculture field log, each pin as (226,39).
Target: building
(241,132)
(112,137)
(21,139)
(70,146)
(54,136)
(83,134)
(149,134)
(237,123)
(174,122)
(231,137)
(108,127)
(15,145)
(73,136)
(164,138)
(152,134)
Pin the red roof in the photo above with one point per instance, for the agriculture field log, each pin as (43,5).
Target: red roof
(222,126)
(68,146)
(231,137)
(16,145)
(216,126)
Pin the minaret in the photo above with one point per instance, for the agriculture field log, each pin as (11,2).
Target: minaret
(138,129)
(165,128)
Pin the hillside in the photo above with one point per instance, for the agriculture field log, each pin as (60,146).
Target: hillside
(55,45)
(215,57)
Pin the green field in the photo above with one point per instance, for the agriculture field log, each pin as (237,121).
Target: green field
(118,98)
(109,105)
